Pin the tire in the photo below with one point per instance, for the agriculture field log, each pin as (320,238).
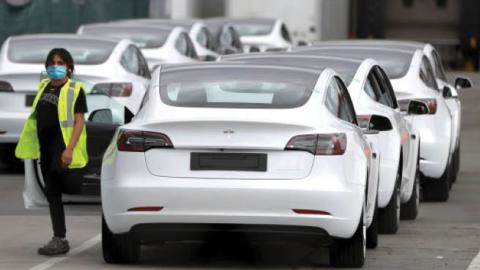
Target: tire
(437,190)
(409,209)
(456,164)
(119,248)
(351,252)
(389,217)
(372,231)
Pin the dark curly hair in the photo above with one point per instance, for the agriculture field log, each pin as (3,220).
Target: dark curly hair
(65,56)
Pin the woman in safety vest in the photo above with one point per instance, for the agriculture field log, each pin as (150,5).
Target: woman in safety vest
(55,133)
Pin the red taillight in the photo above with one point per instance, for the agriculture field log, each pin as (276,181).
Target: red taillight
(141,141)
(431,104)
(310,212)
(319,144)
(146,209)
(113,89)
(5,87)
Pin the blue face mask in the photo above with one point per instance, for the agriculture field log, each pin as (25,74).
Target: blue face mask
(57,72)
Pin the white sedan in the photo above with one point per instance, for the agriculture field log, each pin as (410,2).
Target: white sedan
(372,96)
(158,44)
(412,78)
(449,91)
(199,34)
(114,67)
(266,34)
(272,152)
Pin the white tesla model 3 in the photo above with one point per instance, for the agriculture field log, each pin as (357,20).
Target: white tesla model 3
(270,152)
(412,78)
(158,44)
(115,67)
(371,94)
(449,91)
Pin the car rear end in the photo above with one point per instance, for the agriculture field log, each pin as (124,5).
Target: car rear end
(208,166)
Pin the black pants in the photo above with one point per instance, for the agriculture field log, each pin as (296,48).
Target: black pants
(54,178)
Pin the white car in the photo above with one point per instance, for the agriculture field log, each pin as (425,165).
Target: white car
(159,45)
(272,152)
(115,67)
(372,96)
(265,34)
(412,78)
(201,37)
(449,91)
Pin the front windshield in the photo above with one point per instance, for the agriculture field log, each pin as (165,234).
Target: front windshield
(35,50)
(142,37)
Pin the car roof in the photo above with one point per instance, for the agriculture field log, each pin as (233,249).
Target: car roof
(339,64)
(233,66)
(126,25)
(387,44)
(66,36)
(357,51)
(245,20)
(187,24)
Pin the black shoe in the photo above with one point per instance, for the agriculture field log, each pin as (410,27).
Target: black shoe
(56,246)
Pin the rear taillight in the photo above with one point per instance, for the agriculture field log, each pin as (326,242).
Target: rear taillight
(5,87)
(319,144)
(113,89)
(141,141)
(431,104)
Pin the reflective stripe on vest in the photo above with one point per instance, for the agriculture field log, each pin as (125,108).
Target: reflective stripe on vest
(70,95)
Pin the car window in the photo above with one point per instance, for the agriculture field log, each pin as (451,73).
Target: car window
(439,71)
(370,90)
(346,112)
(285,33)
(143,70)
(130,60)
(191,52)
(236,88)
(426,74)
(181,44)
(386,87)
(338,101)
(202,38)
(226,39)
(84,51)
(236,38)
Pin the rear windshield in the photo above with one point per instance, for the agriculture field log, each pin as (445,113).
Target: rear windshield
(141,36)
(84,52)
(253,29)
(236,88)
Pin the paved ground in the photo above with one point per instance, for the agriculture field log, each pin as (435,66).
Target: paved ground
(445,235)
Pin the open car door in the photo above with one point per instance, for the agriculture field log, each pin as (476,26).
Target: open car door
(82,185)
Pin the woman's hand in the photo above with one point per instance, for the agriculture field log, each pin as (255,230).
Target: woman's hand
(67,157)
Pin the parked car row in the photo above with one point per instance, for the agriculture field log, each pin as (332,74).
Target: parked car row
(328,144)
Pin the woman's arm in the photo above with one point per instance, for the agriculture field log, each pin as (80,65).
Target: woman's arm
(79,123)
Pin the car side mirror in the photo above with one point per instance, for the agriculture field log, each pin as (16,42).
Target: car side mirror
(446,92)
(104,116)
(374,123)
(461,82)
(229,51)
(254,49)
(417,107)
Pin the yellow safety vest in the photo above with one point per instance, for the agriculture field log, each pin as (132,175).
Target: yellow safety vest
(28,146)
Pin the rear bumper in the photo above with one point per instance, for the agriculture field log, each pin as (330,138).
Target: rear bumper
(152,232)
(11,125)
(228,201)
